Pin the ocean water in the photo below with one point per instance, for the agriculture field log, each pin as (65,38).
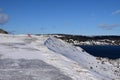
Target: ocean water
(111,52)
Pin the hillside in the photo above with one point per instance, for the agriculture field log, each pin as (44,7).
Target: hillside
(45,57)
(89,40)
(3,31)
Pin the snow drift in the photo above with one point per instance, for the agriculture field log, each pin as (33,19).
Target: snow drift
(84,59)
(47,58)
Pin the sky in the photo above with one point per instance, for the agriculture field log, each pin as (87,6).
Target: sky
(81,17)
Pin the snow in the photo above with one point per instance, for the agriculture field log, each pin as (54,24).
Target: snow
(69,61)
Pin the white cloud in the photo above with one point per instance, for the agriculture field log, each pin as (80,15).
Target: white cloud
(116,12)
(3,18)
(108,27)
(1,10)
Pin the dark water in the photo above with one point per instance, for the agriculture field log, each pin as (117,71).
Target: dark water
(111,52)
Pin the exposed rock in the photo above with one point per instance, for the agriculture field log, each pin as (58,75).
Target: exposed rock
(3,31)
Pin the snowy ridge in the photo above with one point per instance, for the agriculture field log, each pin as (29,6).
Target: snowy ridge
(73,63)
(83,58)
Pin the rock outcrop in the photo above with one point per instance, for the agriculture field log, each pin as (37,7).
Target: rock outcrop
(3,31)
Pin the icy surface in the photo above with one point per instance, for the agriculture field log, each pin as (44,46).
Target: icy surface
(47,58)
(12,69)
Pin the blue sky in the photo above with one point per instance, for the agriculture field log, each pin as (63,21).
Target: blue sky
(82,17)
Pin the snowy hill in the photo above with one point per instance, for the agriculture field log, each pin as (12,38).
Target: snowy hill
(47,58)
(89,40)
